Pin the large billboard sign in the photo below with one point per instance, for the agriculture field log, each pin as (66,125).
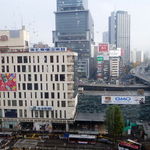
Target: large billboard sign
(103,47)
(123,100)
(50,108)
(8,82)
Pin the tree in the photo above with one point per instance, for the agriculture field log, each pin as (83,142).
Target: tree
(114,121)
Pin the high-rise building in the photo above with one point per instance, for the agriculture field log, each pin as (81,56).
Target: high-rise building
(119,33)
(75,30)
(37,88)
(105,37)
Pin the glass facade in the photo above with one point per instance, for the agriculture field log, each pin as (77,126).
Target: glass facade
(65,5)
(74,27)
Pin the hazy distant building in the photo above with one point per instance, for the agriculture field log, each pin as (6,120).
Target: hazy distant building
(75,30)
(139,56)
(105,37)
(119,33)
(14,39)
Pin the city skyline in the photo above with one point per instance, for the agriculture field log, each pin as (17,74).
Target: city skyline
(39,18)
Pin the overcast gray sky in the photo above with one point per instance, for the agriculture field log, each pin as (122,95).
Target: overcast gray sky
(38,16)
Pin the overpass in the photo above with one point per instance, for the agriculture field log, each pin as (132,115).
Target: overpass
(142,72)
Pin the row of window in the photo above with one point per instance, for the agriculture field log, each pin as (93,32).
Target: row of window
(40,95)
(34,68)
(42,77)
(22,103)
(34,59)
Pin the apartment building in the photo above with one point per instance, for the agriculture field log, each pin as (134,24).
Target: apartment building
(37,88)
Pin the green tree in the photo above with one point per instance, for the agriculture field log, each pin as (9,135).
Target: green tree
(114,121)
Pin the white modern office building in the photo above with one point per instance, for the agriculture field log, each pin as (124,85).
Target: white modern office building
(37,87)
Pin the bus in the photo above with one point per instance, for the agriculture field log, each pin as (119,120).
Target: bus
(82,139)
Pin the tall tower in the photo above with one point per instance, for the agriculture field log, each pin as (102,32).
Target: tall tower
(119,33)
(75,30)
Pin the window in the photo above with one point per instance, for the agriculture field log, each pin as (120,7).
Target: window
(52,114)
(58,95)
(46,95)
(63,68)
(60,114)
(41,95)
(62,77)
(35,77)
(52,95)
(35,86)
(64,95)
(58,104)
(41,86)
(19,59)
(58,86)
(64,113)
(40,77)
(20,103)
(25,113)
(41,113)
(42,103)
(7,59)
(47,114)
(52,103)
(19,77)
(9,103)
(24,77)
(29,77)
(56,114)
(57,59)
(45,59)
(51,59)
(25,59)
(63,59)
(51,77)
(63,104)
(20,113)
(57,68)
(36,114)
(14,68)
(14,103)
(23,68)
(52,68)
(25,96)
(7,68)
(20,95)
(53,86)
(56,77)
(3,60)
(18,68)
(29,68)
(38,59)
(25,102)
(3,68)
(23,86)
(29,86)
(34,68)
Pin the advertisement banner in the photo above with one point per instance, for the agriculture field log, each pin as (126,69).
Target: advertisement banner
(8,82)
(103,47)
(123,100)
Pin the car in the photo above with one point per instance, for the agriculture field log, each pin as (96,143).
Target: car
(106,141)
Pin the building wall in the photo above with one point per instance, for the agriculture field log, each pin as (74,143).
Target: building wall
(44,85)
(16,39)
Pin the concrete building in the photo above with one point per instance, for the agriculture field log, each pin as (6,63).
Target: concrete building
(75,30)
(119,33)
(37,88)
(139,56)
(14,39)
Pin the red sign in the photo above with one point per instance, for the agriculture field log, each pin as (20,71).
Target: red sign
(103,47)
(3,38)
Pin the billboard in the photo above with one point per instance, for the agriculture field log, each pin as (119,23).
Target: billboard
(103,48)
(50,108)
(115,53)
(123,100)
(8,82)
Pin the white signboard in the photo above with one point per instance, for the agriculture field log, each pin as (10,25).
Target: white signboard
(115,53)
(51,49)
(123,100)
